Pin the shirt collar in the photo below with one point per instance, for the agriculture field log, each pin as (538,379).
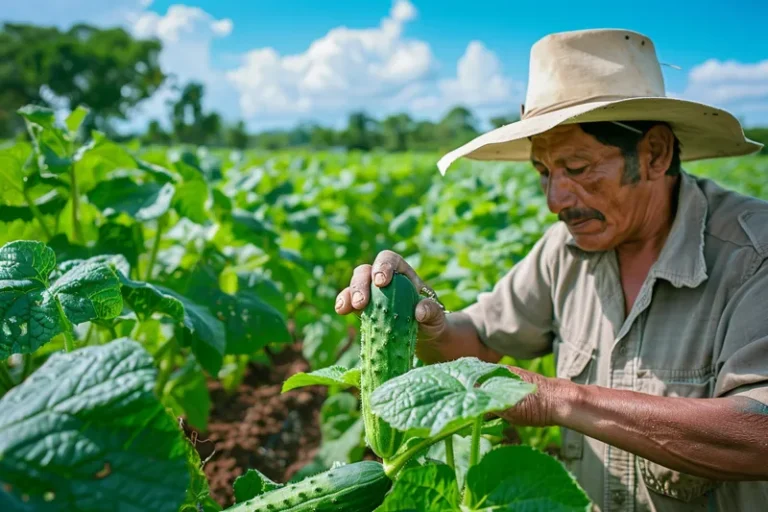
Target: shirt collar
(681,261)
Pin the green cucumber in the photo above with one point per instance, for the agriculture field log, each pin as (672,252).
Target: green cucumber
(388,342)
(357,487)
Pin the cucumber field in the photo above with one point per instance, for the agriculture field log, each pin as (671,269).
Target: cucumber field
(168,339)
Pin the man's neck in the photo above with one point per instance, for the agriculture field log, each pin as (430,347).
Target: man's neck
(637,255)
(648,241)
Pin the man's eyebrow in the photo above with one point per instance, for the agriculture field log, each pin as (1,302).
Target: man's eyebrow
(534,162)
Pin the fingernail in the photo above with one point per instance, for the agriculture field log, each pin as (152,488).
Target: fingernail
(357,297)
(339,303)
(378,278)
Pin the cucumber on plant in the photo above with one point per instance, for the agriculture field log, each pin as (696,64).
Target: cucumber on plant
(388,343)
(357,487)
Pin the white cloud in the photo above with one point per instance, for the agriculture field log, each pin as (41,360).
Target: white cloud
(741,88)
(345,69)
(186,34)
(479,84)
(727,83)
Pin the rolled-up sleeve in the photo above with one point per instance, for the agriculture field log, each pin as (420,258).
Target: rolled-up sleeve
(743,361)
(515,317)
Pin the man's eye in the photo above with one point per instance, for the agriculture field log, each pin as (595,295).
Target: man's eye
(574,172)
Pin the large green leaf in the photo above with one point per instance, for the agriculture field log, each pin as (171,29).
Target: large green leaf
(250,322)
(187,395)
(32,310)
(440,397)
(248,228)
(144,201)
(521,479)
(264,288)
(76,118)
(432,487)
(200,329)
(322,340)
(12,160)
(191,200)
(330,376)
(85,433)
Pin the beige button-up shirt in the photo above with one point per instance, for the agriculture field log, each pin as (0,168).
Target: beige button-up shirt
(698,328)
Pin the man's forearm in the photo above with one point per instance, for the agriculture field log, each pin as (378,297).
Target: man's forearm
(458,339)
(716,438)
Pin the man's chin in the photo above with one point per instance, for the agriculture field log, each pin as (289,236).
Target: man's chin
(591,241)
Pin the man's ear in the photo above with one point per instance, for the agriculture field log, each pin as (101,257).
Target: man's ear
(655,151)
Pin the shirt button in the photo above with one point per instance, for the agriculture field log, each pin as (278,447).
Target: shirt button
(623,350)
(618,497)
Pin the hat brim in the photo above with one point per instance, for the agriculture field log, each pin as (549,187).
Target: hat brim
(703,131)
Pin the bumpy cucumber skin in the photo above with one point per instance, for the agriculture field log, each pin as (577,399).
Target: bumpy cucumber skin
(388,342)
(357,487)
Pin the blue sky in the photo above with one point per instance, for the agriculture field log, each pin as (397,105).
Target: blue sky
(276,63)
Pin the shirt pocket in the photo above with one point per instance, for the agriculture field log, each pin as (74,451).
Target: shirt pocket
(574,361)
(675,383)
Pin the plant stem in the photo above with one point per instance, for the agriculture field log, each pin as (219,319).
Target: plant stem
(69,341)
(26,367)
(474,455)
(155,246)
(449,452)
(6,380)
(166,367)
(37,213)
(449,458)
(88,334)
(394,465)
(75,192)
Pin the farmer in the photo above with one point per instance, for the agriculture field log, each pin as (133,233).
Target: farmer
(652,290)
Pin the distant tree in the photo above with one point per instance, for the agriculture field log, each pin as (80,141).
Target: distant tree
(190,124)
(237,136)
(106,70)
(155,134)
(360,132)
(396,130)
(322,137)
(457,127)
(499,121)
(758,135)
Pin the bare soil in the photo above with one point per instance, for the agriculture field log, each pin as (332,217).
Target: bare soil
(258,427)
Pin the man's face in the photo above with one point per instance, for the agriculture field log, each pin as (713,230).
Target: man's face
(582,180)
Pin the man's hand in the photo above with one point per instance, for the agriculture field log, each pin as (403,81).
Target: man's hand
(540,408)
(355,297)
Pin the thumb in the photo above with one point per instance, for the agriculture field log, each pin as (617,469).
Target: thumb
(429,312)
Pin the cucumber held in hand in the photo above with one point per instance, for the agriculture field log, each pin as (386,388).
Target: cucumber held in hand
(357,487)
(388,342)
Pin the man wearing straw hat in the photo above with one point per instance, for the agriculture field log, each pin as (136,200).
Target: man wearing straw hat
(652,290)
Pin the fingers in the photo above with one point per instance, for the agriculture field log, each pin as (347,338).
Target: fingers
(387,263)
(355,297)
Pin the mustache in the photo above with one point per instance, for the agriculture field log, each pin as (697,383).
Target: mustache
(571,215)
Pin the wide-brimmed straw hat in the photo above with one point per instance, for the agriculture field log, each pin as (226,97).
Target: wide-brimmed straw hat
(604,75)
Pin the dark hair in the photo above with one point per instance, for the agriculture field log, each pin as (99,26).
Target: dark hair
(612,134)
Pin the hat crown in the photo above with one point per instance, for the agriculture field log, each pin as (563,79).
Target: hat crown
(572,68)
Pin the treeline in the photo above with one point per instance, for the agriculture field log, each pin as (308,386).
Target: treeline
(400,132)
(111,73)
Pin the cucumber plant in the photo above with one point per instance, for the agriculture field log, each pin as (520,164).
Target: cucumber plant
(407,410)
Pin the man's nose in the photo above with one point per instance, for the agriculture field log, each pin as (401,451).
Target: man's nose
(560,194)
